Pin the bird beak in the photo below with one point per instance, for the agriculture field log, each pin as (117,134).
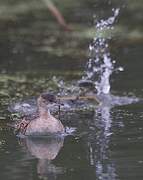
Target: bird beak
(58,103)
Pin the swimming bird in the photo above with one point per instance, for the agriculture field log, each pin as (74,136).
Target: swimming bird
(45,123)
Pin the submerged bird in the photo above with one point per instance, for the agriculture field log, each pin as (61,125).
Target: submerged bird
(45,123)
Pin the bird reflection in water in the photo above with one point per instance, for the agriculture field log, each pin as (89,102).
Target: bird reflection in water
(45,150)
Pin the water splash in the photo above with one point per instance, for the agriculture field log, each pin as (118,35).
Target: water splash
(100,65)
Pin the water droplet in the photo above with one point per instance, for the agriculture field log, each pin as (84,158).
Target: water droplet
(100,66)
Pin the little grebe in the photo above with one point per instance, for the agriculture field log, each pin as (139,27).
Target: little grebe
(45,123)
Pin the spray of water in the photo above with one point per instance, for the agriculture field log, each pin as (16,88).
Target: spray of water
(100,66)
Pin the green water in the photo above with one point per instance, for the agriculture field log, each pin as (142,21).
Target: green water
(108,142)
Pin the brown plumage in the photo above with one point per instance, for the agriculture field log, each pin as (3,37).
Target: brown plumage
(45,123)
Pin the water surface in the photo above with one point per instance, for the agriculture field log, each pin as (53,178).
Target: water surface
(107,143)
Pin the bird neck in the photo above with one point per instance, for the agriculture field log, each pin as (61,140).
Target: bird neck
(43,112)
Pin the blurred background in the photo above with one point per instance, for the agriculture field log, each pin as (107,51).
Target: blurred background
(34,45)
(43,42)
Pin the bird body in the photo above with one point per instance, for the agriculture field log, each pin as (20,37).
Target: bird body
(45,123)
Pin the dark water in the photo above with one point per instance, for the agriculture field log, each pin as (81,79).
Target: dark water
(108,141)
